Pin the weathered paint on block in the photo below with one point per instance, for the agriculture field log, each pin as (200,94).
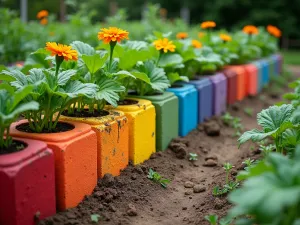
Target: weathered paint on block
(241,81)
(166,107)
(205,97)
(112,141)
(27,184)
(272,65)
(75,154)
(231,77)
(188,107)
(251,79)
(219,82)
(141,122)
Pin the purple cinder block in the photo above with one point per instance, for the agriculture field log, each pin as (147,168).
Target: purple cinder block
(219,82)
(205,97)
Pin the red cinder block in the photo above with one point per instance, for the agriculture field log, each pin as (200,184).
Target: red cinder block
(27,184)
(231,85)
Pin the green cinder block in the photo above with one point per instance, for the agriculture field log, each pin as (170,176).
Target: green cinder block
(166,107)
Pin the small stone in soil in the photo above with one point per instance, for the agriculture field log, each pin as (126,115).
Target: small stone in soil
(108,180)
(133,177)
(212,128)
(213,157)
(131,211)
(210,163)
(188,192)
(199,188)
(188,184)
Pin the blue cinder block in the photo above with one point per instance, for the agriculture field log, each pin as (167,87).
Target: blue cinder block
(188,107)
(205,98)
(265,71)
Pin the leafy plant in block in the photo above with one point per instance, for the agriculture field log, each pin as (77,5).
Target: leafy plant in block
(271,194)
(276,122)
(11,106)
(54,89)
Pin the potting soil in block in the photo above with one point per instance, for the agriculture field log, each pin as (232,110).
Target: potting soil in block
(259,68)
(27,184)
(205,98)
(231,85)
(141,122)
(251,79)
(112,141)
(188,107)
(272,65)
(219,82)
(241,81)
(166,107)
(75,154)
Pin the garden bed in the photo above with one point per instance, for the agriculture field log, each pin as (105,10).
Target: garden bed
(132,198)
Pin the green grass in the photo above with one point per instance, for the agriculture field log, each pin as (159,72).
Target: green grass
(291,57)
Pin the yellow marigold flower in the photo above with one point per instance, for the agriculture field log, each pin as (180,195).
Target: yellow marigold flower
(201,34)
(274,31)
(44,21)
(41,14)
(250,29)
(62,50)
(164,45)
(112,34)
(196,44)
(208,24)
(225,37)
(182,35)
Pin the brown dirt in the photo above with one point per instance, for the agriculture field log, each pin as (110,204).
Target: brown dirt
(16,146)
(86,113)
(133,199)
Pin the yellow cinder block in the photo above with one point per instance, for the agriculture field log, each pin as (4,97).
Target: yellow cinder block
(112,141)
(141,120)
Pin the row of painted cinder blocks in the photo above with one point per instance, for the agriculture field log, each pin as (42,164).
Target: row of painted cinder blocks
(104,145)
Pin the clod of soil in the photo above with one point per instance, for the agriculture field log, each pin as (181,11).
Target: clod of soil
(199,188)
(180,149)
(210,163)
(212,128)
(189,184)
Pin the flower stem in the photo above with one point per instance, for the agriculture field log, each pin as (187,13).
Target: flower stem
(112,46)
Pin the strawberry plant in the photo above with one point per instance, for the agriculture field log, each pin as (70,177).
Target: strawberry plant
(156,177)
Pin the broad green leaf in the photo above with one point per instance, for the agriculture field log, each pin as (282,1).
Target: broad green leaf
(65,76)
(83,48)
(20,95)
(141,76)
(94,62)
(75,89)
(170,60)
(272,118)
(20,78)
(108,90)
(175,77)
(254,135)
(123,74)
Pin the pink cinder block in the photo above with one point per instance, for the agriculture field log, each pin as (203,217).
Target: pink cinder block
(27,184)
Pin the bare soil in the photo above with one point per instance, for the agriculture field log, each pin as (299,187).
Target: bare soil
(133,199)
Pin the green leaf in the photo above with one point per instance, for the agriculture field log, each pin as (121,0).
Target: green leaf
(20,95)
(20,78)
(174,77)
(108,90)
(95,218)
(123,74)
(7,78)
(83,48)
(75,89)
(170,60)
(141,76)
(94,62)
(65,76)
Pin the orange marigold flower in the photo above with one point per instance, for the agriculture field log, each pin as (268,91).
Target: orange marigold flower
(164,45)
(62,50)
(41,14)
(250,29)
(274,31)
(112,34)
(208,24)
(44,21)
(196,44)
(201,34)
(182,35)
(225,37)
